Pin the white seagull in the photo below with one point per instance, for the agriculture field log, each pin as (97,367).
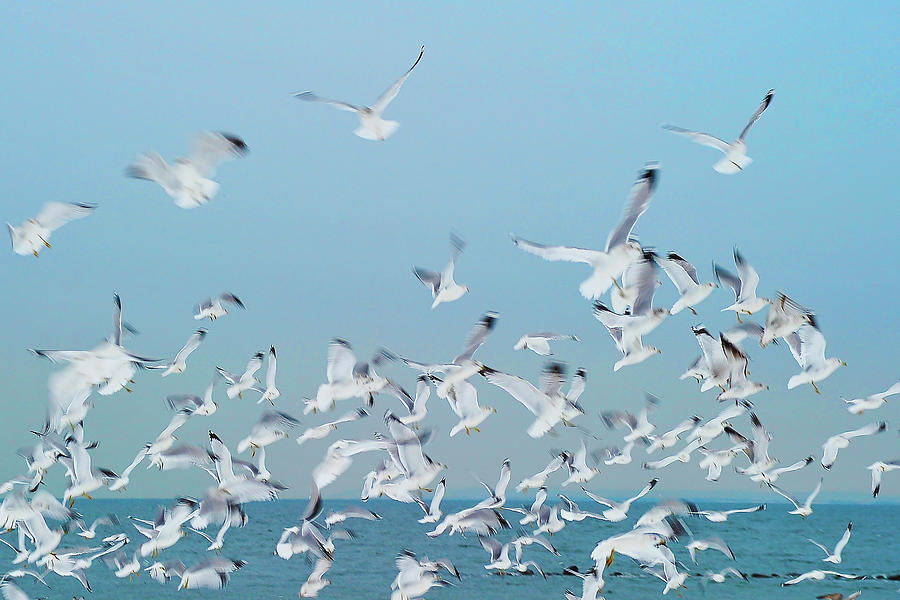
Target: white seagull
(805,509)
(270,393)
(684,275)
(618,511)
(860,405)
(735,158)
(833,444)
(620,250)
(743,285)
(213,308)
(539,343)
(784,318)
(179,363)
(443,287)
(33,235)
(834,556)
(819,576)
(808,347)
(371,125)
(188,180)
(878,468)
(240,383)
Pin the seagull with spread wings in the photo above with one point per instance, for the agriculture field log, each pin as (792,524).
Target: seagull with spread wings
(188,180)
(620,251)
(33,235)
(371,125)
(735,159)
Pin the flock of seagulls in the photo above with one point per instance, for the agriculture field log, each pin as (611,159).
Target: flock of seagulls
(402,470)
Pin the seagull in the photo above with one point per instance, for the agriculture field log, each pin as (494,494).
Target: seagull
(743,285)
(784,318)
(433,512)
(33,235)
(270,393)
(443,287)
(497,494)
(736,158)
(684,275)
(833,444)
(120,484)
(714,460)
(839,596)
(632,347)
(546,404)
(808,347)
(819,576)
(614,456)
(683,455)
(351,512)
(579,471)
(671,437)
(212,573)
(805,509)
(238,384)
(572,512)
(417,409)
(861,405)
(415,578)
(878,468)
(271,427)
(590,587)
(213,308)
(620,250)
(347,378)
(638,426)
(316,580)
(713,543)
(773,474)
(835,556)
(179,364)
(720,576)
(463,399)
(739,387)
(188,180)
(322,431)
(618,511)
(539,343)
(372,126)
(717,516)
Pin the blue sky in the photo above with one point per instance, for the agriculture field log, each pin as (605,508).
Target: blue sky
(519,119)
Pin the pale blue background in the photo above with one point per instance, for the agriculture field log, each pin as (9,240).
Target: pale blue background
(520,118)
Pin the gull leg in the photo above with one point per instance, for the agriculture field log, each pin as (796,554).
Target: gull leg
(35,252)
(738,316)
(815,387)
(616,283)
(477,429)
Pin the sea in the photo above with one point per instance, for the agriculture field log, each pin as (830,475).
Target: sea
(769,546)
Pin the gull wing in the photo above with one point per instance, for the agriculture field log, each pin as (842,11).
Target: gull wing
(477,336)
(748,275)
(191,345)
(341,361)
(756,115)
(56,214)
(563,253)
(391,93)
(682,273)
(726,277)
(338,104)
(635,206)
(212,147)
(429,278)
(701,138)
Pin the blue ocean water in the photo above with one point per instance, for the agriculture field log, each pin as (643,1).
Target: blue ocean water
(770,543)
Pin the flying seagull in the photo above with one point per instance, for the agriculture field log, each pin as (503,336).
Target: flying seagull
(736,158)
(443,287)
(371,125)
(187,180)
(33,235)
(620,250)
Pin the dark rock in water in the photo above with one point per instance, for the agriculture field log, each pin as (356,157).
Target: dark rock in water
(893,577)
(617,573)
(760,575)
